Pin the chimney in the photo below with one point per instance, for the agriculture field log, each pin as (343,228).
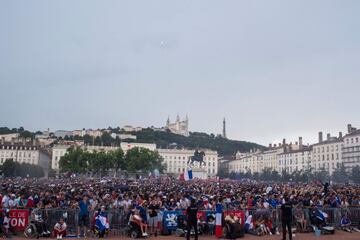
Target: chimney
(320,137)
(340,135)
(349,128)
(270,145)
(328,136)
(300,143)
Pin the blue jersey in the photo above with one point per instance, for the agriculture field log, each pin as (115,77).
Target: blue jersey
(84,208)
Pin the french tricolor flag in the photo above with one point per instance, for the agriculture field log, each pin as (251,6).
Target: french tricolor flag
(218,220)
(186,176)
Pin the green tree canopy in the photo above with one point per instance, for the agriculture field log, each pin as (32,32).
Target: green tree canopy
(144,160)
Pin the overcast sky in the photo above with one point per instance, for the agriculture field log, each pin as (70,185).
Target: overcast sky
(274,69)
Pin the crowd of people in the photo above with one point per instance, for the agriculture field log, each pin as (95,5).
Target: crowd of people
(143,199)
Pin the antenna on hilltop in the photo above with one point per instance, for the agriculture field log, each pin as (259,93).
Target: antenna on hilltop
(224,129)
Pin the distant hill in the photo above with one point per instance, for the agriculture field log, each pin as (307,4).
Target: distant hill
(196,140)
(163,139)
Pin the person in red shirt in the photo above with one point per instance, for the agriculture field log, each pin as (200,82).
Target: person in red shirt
(30,203)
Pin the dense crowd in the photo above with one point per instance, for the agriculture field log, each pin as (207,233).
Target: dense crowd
(170,194)
(148,196)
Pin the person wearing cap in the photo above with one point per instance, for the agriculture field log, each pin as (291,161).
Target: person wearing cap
(191,217)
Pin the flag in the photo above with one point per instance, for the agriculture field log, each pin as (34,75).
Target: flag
(186,176)
(218,220)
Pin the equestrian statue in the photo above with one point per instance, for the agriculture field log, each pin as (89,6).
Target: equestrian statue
(198,157)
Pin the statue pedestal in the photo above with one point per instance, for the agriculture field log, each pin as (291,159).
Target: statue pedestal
(199,173)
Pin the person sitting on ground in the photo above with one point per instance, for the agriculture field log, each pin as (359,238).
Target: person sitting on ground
(5,222)
(231,218)
(37,218)
(345,223)
(135,218)
(60,229)
(102,222)
(211,223)
(300,218)
(269,227)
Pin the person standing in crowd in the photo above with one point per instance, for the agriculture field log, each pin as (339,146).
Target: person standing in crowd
(84,217)
(153,209)
(286,217)
(191,214)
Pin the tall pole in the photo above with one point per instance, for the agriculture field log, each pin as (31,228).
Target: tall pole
(224,129)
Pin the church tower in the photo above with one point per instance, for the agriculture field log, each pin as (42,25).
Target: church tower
(224,129)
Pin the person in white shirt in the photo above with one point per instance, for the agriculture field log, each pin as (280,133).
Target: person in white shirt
(94,203)
(5,201)
(12,201)
(60,229)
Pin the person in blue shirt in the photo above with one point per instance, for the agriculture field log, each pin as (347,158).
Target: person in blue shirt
(345,223)
(84,218)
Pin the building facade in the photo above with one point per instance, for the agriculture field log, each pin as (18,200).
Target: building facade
(9,137)
(180,127)
(327,154)
(246,162)
(176,161)
(24,153)
(351,148)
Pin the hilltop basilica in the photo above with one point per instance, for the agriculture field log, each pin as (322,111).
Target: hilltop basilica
(180,127)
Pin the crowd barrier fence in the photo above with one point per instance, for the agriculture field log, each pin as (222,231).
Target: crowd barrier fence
(118,218)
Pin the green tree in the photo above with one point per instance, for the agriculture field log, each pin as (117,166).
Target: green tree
(340,175)
(9,168)
(74,161)
(106,139)
(355,174)
(144,160)
(117,158)
(322,175)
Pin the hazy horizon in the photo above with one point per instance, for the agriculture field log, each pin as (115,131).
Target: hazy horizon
(273,69)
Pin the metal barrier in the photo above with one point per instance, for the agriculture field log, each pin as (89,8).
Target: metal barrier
(118,218)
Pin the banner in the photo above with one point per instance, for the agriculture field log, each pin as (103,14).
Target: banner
(19,219)
(170,218)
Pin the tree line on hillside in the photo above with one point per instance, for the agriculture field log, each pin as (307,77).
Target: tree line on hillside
(77,160)
(340,175)
(10,168)
(23,133)
(163,139)
(166,139)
